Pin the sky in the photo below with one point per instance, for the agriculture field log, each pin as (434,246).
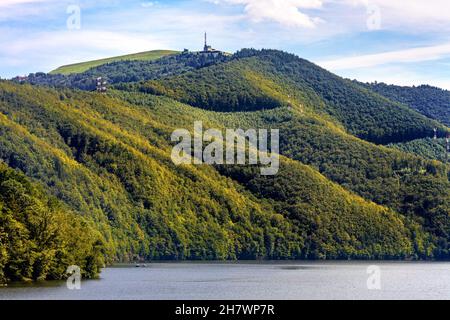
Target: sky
(393,41)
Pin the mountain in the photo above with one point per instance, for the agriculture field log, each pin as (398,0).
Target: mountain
(339,193)
(429,101)
(363,112)
(84,66)
(125,71)
(238,86)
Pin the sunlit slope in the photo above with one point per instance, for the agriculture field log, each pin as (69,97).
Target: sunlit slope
(259,80)
(408,184)
(84,66)
(109,159)
(125,71)
(430,101)
(40,237)
(413,186)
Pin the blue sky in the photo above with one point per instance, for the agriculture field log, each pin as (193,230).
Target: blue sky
(394,41)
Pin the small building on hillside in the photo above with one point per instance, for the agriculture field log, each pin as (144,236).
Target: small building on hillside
(208,50)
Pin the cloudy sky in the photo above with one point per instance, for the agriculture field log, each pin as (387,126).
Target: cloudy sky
(395,41)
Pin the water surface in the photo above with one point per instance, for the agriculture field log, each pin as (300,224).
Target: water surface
(250,280)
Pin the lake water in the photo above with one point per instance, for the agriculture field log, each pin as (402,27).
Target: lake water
(252,280)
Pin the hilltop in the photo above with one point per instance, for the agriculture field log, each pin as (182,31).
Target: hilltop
(84,66)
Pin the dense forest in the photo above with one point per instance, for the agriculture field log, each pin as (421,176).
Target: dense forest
(427,148)
(226,87)
(263,79)
(39,237)
(124,71)
(375,173)
(104,160)
(430,101)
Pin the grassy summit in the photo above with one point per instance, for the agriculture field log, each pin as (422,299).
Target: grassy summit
(84,66)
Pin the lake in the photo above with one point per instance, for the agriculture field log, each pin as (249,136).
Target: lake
(253,280)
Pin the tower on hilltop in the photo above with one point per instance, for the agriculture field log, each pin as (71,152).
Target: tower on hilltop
(210,51)
(207,48)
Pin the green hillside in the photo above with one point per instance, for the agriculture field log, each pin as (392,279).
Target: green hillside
(84,66)
(265,79)
(391,178)
(427,148)
(40,237)
(339,194)
(109,160)
(430,101)
(127,71)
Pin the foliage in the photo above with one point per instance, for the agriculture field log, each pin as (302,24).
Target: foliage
(224,87)
(107,158)
(255,80)
(427,148)
(376,173)
(125,71)
(362,112)
(40,238)
(109,170)
(430,101)
(335,224)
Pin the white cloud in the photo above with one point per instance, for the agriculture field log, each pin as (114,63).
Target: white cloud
(407,16)
(51,49)
(398,15)
(285,12)
(19,10)
(436,9)
(323,19)
(149,24)
(400,75)
(15,5)
(148,4)
(395,67)
(399,56)
(8,3)
(88,39)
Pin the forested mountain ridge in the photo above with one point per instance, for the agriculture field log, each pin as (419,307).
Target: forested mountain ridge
(336,196)
(124,71)
(253,79)
(120,154)
(363,112)
(394,179)
(430,101)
